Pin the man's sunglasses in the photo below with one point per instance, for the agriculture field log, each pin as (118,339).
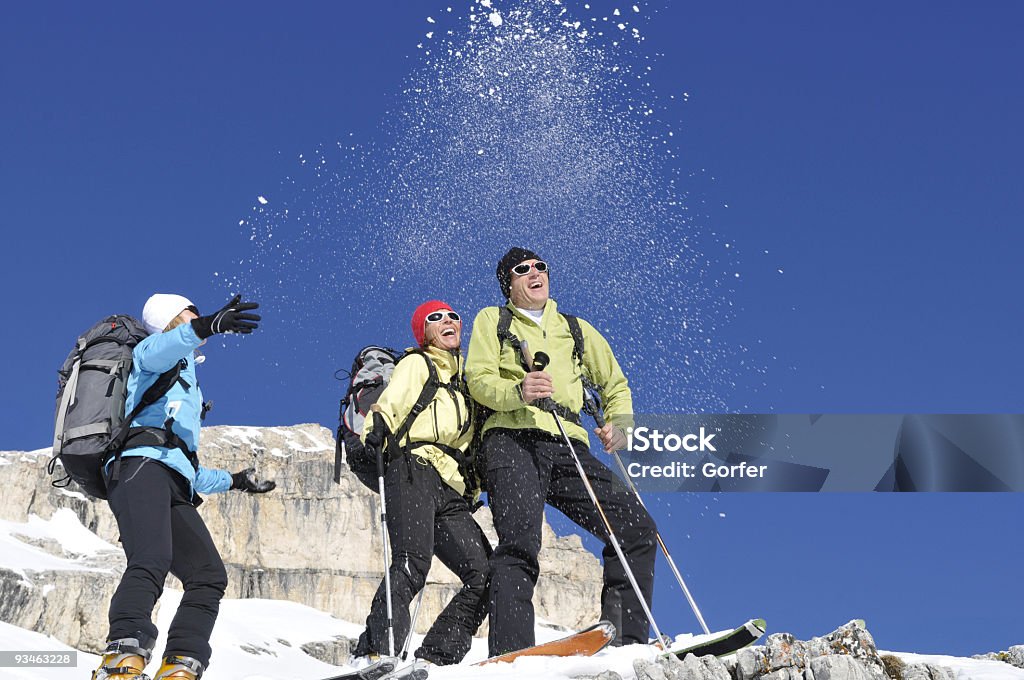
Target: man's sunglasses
(435,317)
(524,268)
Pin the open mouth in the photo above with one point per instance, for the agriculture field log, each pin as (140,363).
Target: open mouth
(448,332)
(536,285)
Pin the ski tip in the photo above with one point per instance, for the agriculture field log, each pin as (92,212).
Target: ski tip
(757,627)
(607,627)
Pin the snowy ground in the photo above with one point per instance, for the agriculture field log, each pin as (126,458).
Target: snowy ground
(965,669)
(262,639)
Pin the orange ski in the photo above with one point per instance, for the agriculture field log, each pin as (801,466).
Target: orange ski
(584,643)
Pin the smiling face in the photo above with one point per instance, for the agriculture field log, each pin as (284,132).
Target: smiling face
(443,334)
(530,290)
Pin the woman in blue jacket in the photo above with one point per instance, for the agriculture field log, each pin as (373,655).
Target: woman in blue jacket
(152,490)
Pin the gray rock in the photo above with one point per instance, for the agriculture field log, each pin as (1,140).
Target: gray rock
(705,668)
(927,671)
(1016,656)
(606,675)
(750,663)
(783,652)
(336,651)
(788,674)
(840,667)
(1013,656)
(651,670)
(690,668)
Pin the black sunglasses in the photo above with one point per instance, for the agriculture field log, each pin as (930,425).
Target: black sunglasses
(524,268)
(434,317)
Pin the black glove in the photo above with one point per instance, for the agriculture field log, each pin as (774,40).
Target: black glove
(246,481)
(232,318)
(374,438)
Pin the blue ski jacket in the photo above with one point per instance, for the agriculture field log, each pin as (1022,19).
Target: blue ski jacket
(157,354)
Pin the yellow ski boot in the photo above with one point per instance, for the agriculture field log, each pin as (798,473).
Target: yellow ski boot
(123,659)
(179,668)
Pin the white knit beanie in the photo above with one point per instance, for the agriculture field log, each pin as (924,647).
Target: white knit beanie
(161,309)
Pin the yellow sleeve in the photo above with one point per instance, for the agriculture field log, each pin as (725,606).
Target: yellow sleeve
(398,398)
(604,370)
(483,364)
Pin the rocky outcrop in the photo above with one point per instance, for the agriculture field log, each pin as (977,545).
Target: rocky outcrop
(1013,656)
(689,668)
(310,541)
(927,671)
(847,653)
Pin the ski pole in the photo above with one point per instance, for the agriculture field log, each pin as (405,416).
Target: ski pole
(599,419)
(412,625)
(540,360)
(378,421)
(664,549)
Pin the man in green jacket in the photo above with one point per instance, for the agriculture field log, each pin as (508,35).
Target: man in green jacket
(527,462)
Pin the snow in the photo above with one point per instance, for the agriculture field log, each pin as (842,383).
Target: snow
(257,639)
(64,528)
(261,640)
(18,639)
(965,669)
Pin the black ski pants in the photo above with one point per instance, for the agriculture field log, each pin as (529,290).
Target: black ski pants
(162,532)
(427,517)
(525,470)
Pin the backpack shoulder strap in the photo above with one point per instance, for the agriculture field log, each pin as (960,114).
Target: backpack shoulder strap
(161,386)
(426,395)
(577,337)
(506,335)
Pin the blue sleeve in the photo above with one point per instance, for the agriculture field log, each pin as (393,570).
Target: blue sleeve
(211,481)
(160,351)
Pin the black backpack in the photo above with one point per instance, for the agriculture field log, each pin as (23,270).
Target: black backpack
(370,374)
(91,425)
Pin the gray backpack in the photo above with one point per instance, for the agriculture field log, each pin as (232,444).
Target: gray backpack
(91,425)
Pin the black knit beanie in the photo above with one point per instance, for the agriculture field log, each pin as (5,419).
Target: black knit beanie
(513,257)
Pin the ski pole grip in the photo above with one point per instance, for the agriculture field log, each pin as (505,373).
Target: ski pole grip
(540,361)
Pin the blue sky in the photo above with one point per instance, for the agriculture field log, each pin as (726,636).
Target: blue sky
(872,150)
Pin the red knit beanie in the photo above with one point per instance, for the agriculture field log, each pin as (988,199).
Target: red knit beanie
(419,318)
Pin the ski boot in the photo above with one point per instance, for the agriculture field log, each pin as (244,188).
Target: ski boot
(179,668)
(123,659)
(419,669)
(373,666)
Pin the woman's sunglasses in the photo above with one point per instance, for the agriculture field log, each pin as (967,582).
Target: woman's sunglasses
(434,317)
(524,268)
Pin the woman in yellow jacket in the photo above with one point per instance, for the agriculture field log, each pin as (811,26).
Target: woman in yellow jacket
(430,499)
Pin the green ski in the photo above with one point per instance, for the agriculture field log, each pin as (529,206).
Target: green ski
(720,643)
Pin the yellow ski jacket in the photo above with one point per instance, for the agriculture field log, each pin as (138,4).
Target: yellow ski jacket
(446,420)
(494,373)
